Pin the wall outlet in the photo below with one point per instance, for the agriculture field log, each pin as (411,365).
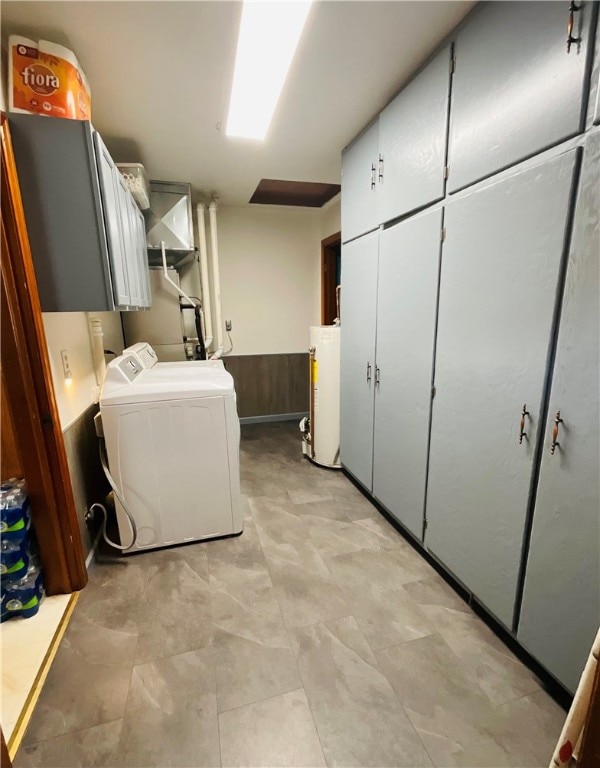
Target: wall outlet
(66,365)
(227,325)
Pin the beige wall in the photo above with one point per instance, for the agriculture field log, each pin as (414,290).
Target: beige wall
(270,264)
(70,331)
(269,261)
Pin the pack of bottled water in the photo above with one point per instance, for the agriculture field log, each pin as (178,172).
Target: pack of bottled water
(20,572)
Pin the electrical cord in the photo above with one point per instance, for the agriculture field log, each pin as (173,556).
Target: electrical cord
(113,485)
(230,350)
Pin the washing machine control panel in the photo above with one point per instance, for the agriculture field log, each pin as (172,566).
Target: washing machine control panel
(124,369)
(143,353)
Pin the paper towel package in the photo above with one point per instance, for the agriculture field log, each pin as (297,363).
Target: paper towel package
(45,78)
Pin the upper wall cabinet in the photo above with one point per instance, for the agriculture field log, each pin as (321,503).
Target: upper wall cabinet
(87,254)
(518,87)
(412,142)
(359,184)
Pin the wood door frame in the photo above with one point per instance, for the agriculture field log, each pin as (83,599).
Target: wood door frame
(328,255)
(30,395)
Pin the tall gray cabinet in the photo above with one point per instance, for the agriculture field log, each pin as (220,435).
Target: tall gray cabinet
(560,613)
(357,353)
(470,319)
(500,276)
(409,254)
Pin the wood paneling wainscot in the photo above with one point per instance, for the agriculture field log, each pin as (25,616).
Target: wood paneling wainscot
(268,385)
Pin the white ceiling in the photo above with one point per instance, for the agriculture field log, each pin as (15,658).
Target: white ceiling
(161,72)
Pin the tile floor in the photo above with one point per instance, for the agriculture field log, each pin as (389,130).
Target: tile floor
(318,637)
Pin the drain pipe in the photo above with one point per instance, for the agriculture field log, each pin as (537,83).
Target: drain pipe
(97,339)
(214,252)
(204,276)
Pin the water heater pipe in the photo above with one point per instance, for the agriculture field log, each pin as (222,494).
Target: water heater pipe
(97,339)
(204,275)
(214,252)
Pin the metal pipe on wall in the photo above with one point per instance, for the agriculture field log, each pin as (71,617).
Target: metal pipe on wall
(206,302)
(214,252)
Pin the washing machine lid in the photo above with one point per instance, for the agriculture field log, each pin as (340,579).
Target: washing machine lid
(128,382)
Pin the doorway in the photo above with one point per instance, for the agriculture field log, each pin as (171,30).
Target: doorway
(331,252)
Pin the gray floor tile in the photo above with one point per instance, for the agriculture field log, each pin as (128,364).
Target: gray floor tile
(442,697)
(499,673)
(171,715)
(93,747)
(116,585)
(304,586)
(275,732)
(254,661)
(358,716)
(372,582)
(528,729)
(174,613)
(337,537)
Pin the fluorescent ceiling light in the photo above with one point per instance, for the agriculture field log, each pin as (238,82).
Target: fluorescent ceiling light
(269,35)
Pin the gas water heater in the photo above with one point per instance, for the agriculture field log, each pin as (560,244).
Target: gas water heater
(321,429)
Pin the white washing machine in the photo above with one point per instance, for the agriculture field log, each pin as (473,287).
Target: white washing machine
(172,437)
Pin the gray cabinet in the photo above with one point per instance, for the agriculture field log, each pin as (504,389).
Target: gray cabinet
(412,142)
(561,602)
(501,262)
(409,255)
(358,312)
(516,89)
(85,250)
(359,184)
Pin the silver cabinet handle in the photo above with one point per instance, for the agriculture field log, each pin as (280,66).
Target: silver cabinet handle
(373,175)
(380,168)
(377,372)
(368,372)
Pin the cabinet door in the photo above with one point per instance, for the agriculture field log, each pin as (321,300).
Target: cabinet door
(358,311)
(412,142)
(359,185)
(141,229)
(110,186)
(500,270)
(406,308)
(516,89)
(129,224)
(561,601)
